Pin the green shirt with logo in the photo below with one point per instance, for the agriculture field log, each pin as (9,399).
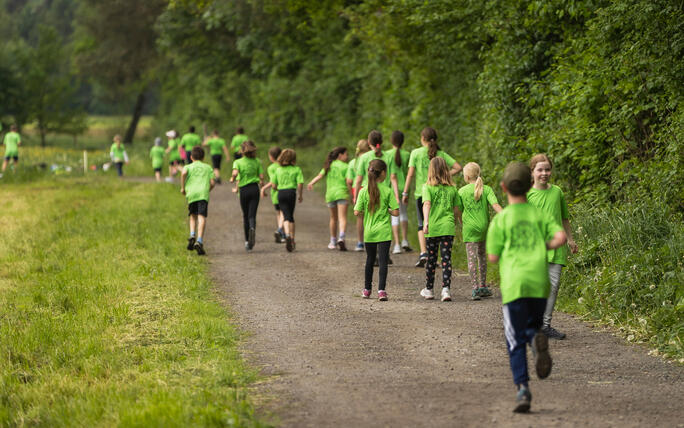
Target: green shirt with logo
(198,181)
(117,151)
(553,202)
(420,160)
(336,181)
(400,171)
(288,177)
(475,214)
(157,155)
(443,199)
(190,140)
(377,226)
(174,154)
(237,141)
(365,159)
(216,146)
(248,169)
(11,141)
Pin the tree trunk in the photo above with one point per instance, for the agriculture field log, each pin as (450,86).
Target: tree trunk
(137,112)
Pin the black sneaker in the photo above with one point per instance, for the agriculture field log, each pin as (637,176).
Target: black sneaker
(422,260)
(252,237)
(552,333)
(199,247)
(218,180)
(289,244)
(522,400)
(278,238)
(191,243)
(342,245)
(542,358)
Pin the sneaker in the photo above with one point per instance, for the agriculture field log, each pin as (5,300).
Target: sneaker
(252,237)
(382,295)
(247,246)
(405,246)
(522,400)
(168,180)
(542,358)
(341,244)
(397,249)
(485,291)
(199,247)
(422,260)
(191,243)
(332,246)
(289,244)
(278,237)
(446,296)
(552,333)
(427,293)
(365,294)
(475,295)
(359,246)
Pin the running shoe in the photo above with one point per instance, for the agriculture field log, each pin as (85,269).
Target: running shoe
(247,246)
(475,295)
(332,246)
(485,291)
(522,400)
(341,244)
(289,244)
(405,246)
(382,295)
(218,180)
(252,237)
(446,295)
(542,358)
(359,247)
(422,260)
(397,249)
(552,333)
(278,237)
(191,243)
(427,293)
(365,294)
(199,247)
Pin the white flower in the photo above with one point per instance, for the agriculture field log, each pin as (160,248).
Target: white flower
(630,337)
(652,287)
(580,300)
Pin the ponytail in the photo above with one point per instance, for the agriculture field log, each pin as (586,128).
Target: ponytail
(478,188)
(430,136)
(332,156)
(397,140)
(375,141)
(471,172)
(375,169)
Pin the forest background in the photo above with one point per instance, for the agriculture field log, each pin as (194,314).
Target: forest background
(598,85)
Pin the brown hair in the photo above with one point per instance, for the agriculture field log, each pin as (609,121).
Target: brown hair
(117,138)
(397,140)
(274,152)
(248,149)
(197,153)
(438,173)
(240,130)
(430,136)
(375,169)
(362,147)
(287,157)
(333,155)
(13,128)
(541,157)
(472,172)
(375,142)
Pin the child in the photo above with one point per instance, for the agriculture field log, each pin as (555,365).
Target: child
(418,165)
(157,156)
(236,142)
(196,183)
(549,198)
(519,236)
(217,147)
(273,154)
(476,198)
(118,155)
(361,148)
(376,204)
(189,141)
(337,192)
(12,141)
(440,210)
(248,175)
(173,150)
(400,163)
(288,180)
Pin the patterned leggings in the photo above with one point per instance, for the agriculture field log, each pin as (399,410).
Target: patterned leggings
(477,263)
(442,244)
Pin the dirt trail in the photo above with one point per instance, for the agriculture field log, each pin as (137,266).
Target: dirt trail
(334,359)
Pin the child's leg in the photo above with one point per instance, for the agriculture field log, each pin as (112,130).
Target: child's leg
(383,259)
(193,224)
(281,219)
(119,168)
(371,252)
(157,175)
(333,223)
(519,333)
(445,244)
(432,246)
(201,223)
(395,229)
(471,251)
(342,219)
(4,164)
(421,236)
(244,205)
(554,277)
(217,173)
(482,262)
(253,206)
(359,229)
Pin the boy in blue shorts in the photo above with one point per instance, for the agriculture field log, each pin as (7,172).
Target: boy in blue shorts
(519,237)
(197,180)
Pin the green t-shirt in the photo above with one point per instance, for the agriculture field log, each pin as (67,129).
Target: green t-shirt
(351,171)
(11,141)
(288,177)
(249,170)
(157,155)
(402,170)
(237,141)
(421,162)
(518,234)
(336,181)
(271,176)
(190,140)
(553,202)
(475,214)
(118,152)
(376,225)
(174,154)
(442,199)
(365,160)
(198,181)
(216,145)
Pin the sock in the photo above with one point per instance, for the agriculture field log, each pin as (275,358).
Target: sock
(192,234)
(280,230)
(200,240)
(333,240)
(342,236)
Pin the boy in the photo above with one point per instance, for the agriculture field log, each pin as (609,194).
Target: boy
(196,183)
(216,146)
(519,236)
(237,141)
(157,156)
(189,141)
(12,142)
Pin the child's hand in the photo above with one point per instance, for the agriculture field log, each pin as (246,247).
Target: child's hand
(404,199)
(573,247)
(234,190)
(309,186)
(263,194)
(182,191)
(300,199)
(425,229)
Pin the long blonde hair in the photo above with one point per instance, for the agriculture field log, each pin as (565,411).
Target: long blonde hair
(438,173)
(362,147)
(471,172)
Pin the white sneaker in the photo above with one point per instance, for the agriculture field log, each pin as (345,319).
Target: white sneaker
(427,293)
(446,296)
(332,246)
(397,249)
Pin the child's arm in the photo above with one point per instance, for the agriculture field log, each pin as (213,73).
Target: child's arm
(395,188)
(212,184)
(568,233)
(493,258)
(265,188)
(497,208)
(300,189)
(455,168)
(226,153)
(357,186)
(407,186)
(457,215)
(559,239)
(184,176)
(393,212)
(233,176)
(125,157)
(426,215)
(315,180)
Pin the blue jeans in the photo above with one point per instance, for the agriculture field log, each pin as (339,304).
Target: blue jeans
(522,320)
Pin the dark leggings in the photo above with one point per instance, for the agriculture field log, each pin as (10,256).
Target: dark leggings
(287,198)
(381,250)
(119,168)
(249,202)
(442,244)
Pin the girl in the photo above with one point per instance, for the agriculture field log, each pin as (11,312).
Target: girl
(157,156)
(400,159)
(174,154)
(418,167)
(361,148)
(440,210)
(337,191)
(549,198)
(375,143)
(376,203)
(273,154)
(248,175)
(289,182)
(476,198)
(118,154)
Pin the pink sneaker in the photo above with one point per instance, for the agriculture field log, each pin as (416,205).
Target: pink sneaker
(365,294)
(382,295)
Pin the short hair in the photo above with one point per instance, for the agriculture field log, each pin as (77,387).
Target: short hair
(541,157)
(197,153)
(240,130)
(192,128)
(517,178)
(13,127)
(287,157)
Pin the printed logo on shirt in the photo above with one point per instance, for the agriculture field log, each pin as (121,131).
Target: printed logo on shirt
(523,236)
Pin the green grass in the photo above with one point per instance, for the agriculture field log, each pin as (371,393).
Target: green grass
(105,318)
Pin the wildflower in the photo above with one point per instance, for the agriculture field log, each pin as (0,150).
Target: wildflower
(580,300)
(652,287)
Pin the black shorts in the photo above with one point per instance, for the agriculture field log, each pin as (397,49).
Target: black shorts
(14,158)
(216,161)
(287,199)
(186,158)
(198,208)
(419,212)
(277,207)
(157,170)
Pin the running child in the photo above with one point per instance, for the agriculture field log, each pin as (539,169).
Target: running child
(288,180)
(217,148)
(361,148)
(418,166)
(236,142)
(376,204)
(476,198)
(196,183)
(440,210)
(189,141)
(273,154)
(173,150)
(117,153)
(400,165)
(157,156)
(12,141)
(248,175)
(337,193)
(550,199)
(519,237)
